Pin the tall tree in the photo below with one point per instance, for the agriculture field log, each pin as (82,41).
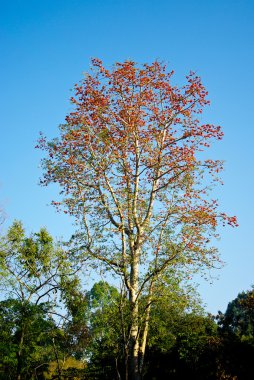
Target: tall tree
(131,167)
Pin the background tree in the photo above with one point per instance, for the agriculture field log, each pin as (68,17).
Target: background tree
(35,274)
(239,317)
(75,330)
(107,345)
(31,266)
(182,340)
(26,332)
(237,334)
(130,165)
(189,349)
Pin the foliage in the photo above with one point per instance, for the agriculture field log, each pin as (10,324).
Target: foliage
(76,334)
(106,349)
(31,265)
(183,342)
(237,332)
(25,327)
(71,369)
(46,349)
(107,344)
(239,317)
(189,351)
(39,281)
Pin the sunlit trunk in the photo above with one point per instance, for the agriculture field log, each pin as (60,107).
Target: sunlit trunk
(145,331)
(134,373)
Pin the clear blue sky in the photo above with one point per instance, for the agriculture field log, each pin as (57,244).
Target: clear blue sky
(46,46)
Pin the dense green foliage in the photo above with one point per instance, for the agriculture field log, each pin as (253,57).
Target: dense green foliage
(51,328)
(26,339)
(40,312)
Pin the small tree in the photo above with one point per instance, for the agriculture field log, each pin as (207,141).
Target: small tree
(130,165)
(32,267)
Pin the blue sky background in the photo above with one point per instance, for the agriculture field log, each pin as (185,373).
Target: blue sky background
(47,45)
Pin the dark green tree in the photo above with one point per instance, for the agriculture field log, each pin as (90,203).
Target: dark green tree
(239,317)
(237,333)
(26,332)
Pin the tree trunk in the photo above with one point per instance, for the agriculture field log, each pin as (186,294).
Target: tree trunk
(117,370)
(145,331)
(134,349)
(57,360)
(19,354)
(134,372)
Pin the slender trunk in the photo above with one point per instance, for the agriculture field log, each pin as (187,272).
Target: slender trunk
(134,347)
(19,354)
(117,370)
(126,368)
(124,337)
(134,328)
(145,331)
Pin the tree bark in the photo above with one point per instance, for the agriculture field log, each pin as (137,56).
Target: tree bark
(145,331)
(19,354)
(57,360)
(134,372)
